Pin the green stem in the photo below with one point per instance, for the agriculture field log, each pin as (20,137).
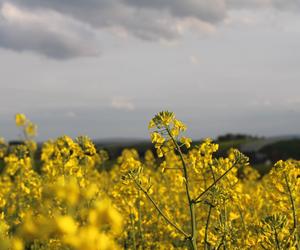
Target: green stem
(140,218)
(196,200)
(242,217)
(213,173)
(226,219)
(183,165)
(206,244)
(276,239)
(293,209)
(133,232)
(192,238)
(206,227)
(159,210)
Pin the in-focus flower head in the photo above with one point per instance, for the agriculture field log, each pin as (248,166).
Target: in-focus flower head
(162,119)
(166,128)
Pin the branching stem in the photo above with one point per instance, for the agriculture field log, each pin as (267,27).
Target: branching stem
(293,209)
(192,238)
(196,200)
(159,210)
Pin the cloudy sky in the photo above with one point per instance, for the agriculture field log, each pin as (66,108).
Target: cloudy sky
(105,67)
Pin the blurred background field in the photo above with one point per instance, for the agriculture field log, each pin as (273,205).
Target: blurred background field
(262,151)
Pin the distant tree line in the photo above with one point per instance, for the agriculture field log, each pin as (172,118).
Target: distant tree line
(231,137)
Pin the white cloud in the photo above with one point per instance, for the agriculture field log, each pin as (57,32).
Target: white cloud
(71,114)
(122,103)
(194,59)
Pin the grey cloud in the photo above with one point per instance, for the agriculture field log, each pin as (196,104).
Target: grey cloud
(277,4)
(114,12)
(210,11)
(79,20)
(145,23)
(101,12)
(45,32)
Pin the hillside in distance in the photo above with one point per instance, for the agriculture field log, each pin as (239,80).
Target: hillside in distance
(262,151)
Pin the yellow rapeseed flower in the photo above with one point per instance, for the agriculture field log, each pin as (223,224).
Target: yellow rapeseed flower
(66,224)
(20,119)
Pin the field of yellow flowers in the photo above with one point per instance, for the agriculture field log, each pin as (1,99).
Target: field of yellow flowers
(185,198)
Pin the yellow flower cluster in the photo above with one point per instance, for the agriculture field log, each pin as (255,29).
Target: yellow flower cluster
(166,129)
(29,128)
(29,131)
(186,199)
